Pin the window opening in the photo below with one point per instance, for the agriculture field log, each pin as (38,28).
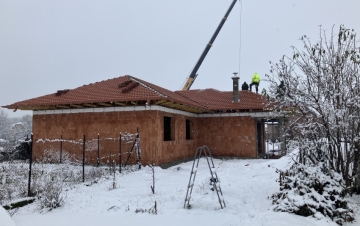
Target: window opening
(188,129)
(168,128)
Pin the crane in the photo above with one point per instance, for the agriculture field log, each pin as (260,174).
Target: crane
(190,80)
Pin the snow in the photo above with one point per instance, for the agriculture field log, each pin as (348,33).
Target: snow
(5,219)
(246,186)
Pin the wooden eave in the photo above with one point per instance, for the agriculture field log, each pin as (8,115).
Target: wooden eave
(162,102)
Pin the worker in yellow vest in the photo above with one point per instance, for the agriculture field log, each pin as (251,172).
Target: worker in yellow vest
(255,81)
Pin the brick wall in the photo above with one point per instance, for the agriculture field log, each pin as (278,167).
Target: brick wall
(229,136)
(226,136)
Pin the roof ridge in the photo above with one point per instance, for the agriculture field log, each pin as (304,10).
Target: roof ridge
(148,87)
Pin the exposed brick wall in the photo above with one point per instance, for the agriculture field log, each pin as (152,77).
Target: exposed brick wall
(225,136)
(228,136)
(109,125)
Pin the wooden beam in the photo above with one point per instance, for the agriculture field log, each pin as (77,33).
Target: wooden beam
(76,106)
(62,106)
(48,107)
(105,104)
(134,102)
(33,108)
(120,103)
(90,105)
(27,108)
(174,105)
(167,103)
(160,101)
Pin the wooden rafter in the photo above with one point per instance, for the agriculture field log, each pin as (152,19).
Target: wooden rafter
(63,106)
(90,105)
(105,104)
(164,103)
(167,103)
(76,106)
(120,103)
(160,101)
(174,105)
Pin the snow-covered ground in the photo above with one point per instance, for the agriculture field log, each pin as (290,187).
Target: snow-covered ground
(246,185)
(5,219)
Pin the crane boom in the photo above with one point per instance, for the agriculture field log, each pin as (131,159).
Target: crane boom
(193,74)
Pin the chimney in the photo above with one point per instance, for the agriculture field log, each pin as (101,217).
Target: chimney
(235,87)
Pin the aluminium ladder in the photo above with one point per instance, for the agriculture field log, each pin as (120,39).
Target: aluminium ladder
(214,178)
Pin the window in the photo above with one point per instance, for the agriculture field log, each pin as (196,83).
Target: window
(169,128)
(188,129)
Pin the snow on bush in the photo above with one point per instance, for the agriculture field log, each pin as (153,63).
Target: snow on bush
(313,191)
(48,181)
(52,196)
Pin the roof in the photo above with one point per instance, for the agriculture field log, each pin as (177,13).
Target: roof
(129,91)
(216,100)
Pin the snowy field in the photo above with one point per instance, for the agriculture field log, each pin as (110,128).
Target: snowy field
(246,185)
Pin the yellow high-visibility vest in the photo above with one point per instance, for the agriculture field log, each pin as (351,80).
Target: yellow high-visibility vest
(255,78)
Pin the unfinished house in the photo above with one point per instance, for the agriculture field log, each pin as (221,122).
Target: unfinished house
(171,124)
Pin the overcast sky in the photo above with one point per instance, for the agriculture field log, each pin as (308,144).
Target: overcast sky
(47,46)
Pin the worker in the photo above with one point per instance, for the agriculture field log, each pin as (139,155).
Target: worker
(255,81)
(245,86)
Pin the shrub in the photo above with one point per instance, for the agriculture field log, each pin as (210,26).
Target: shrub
(51,197)
(310,191)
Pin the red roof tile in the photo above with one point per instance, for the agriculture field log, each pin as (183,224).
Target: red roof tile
(214,99)
(128,88)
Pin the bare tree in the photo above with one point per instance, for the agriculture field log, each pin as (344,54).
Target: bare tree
(26,120)
(4,124)
(321,87)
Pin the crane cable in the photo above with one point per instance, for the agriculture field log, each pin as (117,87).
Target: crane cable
(240,37)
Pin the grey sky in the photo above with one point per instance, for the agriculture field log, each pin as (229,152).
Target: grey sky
(46,45)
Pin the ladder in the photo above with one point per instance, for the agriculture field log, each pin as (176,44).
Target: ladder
(214,178)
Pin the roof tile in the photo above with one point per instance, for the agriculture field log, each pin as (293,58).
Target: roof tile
(123,89)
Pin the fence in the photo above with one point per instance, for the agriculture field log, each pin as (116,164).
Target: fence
(72,160)
(123,150)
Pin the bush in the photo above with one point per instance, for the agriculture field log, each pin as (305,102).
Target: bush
(310,191)
(51,197)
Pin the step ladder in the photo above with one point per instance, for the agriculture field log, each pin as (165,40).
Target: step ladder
(214,177)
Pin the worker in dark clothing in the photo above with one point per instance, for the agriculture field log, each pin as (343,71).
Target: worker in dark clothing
(255,81)
(281,90)
(245,86)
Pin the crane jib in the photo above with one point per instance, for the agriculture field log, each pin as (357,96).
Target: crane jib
(193,74)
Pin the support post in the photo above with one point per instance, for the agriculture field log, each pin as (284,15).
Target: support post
(120,153)
(110,165)
(61,149)
(30,163)
(83,162)
(98,151)
(282,135)
(138,148)
(285,132)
